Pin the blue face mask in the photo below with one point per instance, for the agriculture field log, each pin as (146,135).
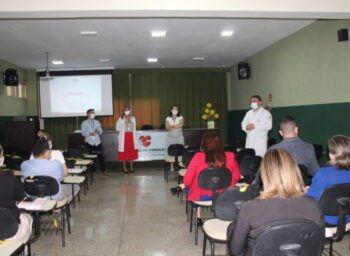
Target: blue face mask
(254,105)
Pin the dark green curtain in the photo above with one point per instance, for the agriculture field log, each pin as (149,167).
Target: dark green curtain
(190,89)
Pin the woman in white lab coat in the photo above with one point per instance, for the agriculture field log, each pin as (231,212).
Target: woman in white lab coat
(126,126)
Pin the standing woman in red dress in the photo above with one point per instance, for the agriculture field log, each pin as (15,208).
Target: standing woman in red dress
(126,126)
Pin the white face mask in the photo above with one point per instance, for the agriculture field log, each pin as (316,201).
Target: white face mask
(174,112)
(92,116)
(2,159)
(127,113)
(254,105)
(50,144)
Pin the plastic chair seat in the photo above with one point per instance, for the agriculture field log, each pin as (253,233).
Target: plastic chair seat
(203,203)
(216,229)
(182,172)
(171,159)
(333,230)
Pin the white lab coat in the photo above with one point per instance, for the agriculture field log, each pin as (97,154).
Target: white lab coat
(120,127)
(257,138)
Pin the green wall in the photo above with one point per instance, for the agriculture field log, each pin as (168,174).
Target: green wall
(308,67)
(308,75)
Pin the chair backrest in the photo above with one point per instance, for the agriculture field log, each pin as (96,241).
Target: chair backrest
(290,238)
(318,151)
(175,149)
(188,154)
(162,127)
(335,201)
(8,224)
(40,186)
(305,174)
(214,179)
(74,153)
(147,127)
(13,163)
(244,152)
(249,166)
(228,203)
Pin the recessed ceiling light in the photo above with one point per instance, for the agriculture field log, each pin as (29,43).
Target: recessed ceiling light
(88,33)
(227,33)
(198,58)
(104,60)
(57,62)
(152,60)
(158,33)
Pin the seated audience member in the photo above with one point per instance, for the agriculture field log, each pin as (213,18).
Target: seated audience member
(337,172)
(282,199)
(11,191)
(57,155)
(303,152)
(41,165)
(212,154)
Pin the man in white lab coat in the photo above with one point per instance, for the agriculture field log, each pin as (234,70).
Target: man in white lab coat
(256,123)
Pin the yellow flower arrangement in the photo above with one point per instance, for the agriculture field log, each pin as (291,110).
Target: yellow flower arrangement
(210,113)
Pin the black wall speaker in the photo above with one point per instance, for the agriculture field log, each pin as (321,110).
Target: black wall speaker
(243,70)
(11,77)
(343,35)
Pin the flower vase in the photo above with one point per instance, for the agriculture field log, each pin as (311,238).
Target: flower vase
(211,124)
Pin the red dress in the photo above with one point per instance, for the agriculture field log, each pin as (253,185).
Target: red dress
(197,165)
(130,153)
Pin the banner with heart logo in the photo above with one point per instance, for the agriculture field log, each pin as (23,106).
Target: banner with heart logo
(151,145)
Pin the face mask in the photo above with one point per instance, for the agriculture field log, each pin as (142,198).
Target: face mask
(127,113)
(174,112)
(254,105)
(92,116)
(2,160)
(50,145)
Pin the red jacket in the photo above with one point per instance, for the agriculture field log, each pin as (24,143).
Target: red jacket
(197,165)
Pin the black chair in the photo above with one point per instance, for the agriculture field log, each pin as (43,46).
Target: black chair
(174,150)
(290,238)
(244,152)
(187,156)
(249,167)
(335,201)
(318,151)
(9,228)
(13,162)
(226,208)
(46,186)
(229,148)
(162,127)
(213,179)
(271,141)
(146,127)
(305,174)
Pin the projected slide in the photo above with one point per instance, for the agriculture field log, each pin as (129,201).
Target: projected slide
(72,95)
(75,94)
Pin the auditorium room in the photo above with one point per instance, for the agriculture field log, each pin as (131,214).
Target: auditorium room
(175,128)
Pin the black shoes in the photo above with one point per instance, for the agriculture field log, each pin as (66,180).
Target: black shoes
(175,190)
(199,222)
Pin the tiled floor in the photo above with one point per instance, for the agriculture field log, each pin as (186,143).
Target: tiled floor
(132,214)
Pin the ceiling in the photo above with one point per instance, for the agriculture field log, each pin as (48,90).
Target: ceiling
(128,42)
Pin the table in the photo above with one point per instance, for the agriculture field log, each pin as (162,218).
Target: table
(36,207)
(11,248)
(73,180)
(151,143)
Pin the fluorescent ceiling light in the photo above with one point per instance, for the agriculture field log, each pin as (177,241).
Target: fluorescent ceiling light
(104,60)
(88,32)
(152,60)
(198,58)
(227,33)
(57,62)
(158,33)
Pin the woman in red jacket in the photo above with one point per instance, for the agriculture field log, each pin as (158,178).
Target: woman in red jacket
(212,154)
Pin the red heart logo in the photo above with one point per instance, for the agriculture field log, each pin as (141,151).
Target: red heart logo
(145,140)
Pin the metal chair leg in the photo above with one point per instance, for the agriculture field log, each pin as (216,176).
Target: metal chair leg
(63,223)
(191,218)
(330,247)
(68,217)
(212,246)
(204,245)
(195,228)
